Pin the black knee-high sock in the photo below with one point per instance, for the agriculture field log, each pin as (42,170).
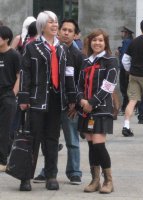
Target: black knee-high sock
(93,156)
(91,153)
(103,155)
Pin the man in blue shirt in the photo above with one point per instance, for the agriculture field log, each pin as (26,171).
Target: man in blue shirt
(124,76)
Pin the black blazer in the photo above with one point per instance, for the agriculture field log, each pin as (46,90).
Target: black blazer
(35,76)
(102,96)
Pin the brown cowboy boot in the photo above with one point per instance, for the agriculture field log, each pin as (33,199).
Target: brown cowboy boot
(94,185)
(108,183)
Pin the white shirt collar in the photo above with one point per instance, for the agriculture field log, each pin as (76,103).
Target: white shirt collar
(56,41)
(93,57)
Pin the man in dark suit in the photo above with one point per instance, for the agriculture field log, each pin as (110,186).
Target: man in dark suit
(46,87)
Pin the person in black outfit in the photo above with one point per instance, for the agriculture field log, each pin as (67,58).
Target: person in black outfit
(67,31)
(127,37)
(133,63)
(31,36)
(47,87)
(9,86)
(97,82)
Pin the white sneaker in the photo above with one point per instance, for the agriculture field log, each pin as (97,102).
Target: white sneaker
(2,168)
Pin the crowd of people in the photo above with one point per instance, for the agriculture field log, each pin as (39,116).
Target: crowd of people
(70,85)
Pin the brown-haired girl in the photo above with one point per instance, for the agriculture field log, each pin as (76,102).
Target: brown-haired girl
(97,82)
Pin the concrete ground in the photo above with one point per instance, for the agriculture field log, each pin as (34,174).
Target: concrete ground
(127,166)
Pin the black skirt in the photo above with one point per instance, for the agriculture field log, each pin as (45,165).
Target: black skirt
(96,124)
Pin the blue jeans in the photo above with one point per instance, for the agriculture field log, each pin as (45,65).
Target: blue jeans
(71,136)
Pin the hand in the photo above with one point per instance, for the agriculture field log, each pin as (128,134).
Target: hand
(71,106)
(83,102)
(87,108)
(72,114)
(117,52)
(24,106)
(15,92)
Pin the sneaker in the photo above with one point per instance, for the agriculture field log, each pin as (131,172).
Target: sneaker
(2,168)
(39,179)
(75,180)
(127,132)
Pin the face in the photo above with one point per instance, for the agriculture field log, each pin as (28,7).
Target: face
(98,44)
(123,34)
(51,28)
(3,43)
(67,33)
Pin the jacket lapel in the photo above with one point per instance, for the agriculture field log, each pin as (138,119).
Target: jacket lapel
(40,47)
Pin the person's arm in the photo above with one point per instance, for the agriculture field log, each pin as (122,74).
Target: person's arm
(25,79)
(108,83)
(80,88)
(16,85)
(69,79)
(126,61)
(15,42)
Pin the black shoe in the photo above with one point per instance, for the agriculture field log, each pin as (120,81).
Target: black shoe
(25,185)
(60,147)
(127,132)
(52,184)
(75,180)
(39,179)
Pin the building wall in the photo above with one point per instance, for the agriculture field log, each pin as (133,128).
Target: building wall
(13,13)
(108,14)
(139,15)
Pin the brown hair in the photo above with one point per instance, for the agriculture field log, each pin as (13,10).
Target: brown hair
(87,50)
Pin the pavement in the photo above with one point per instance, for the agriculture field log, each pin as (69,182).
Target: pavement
(127,167)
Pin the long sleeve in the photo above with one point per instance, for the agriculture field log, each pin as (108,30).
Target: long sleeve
(126,61)
(69,80)
(107,84)
(25,78)
(104,82)
(80,87)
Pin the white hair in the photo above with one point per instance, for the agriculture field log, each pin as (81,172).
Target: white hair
(43,18)
(25,26)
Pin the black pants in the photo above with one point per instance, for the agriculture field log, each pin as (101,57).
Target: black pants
(16,122)
(124,80)
(7,112)
(45,127)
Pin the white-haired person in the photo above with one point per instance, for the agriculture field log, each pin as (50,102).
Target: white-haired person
(46,88)
(29,33)
(17,42)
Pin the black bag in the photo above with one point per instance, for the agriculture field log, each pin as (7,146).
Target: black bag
(20,163)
